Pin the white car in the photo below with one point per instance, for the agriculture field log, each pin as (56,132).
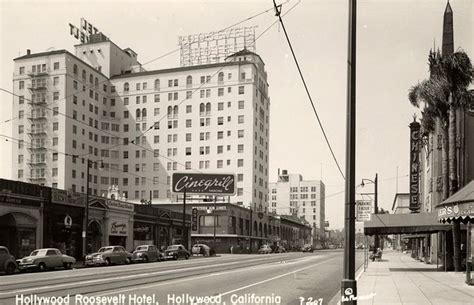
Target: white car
(43,259)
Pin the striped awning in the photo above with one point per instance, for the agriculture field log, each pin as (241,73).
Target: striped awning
(459,206)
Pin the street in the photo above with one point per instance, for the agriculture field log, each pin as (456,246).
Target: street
(286,278)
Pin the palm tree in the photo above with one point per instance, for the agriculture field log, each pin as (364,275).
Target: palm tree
(440,97)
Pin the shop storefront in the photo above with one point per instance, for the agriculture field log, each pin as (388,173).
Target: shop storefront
(63,222)
(119,223)
(460,207)
(21,206)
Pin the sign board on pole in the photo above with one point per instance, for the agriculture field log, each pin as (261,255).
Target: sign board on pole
(203,184)
(364,209)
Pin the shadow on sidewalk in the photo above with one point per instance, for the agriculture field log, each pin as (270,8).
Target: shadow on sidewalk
(414,270)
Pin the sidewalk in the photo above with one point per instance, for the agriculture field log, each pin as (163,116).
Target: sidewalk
(400,279)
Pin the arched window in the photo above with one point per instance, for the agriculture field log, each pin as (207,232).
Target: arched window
(91,79)
(170,111)
(255,228)
(202,108)
(96,82)
(220,77)
(157,84)
(144,113)
(175,110)
(260,229)
(138,114)
(126,87)
(208,108)
(74,69)
(189,81)
(84,77)
(265,233)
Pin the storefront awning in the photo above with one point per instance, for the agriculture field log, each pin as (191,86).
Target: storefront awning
(459,205)
(416,223)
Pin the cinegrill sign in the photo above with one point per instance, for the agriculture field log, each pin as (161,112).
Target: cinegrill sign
(203,184)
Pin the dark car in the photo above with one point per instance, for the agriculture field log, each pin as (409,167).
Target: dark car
(146,253)
(264,249)
(279,249)
(108,256)
(7,261)
(176,251)
(308,248)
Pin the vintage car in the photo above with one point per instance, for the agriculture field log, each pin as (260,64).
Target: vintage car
(308,248)
(7,261)
(202,249)
(107,256)
(43,259)
(279,249)
(147,253)
(265,249)
(176,251)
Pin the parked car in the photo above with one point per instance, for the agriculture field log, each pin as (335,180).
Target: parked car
(176,251)
(265,249)
(43,259)
(307,248)
(318,247)
(108,256)
(7,261)
(147,253)
(279,249)
(202,249)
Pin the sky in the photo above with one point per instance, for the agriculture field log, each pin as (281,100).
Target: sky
(393,41)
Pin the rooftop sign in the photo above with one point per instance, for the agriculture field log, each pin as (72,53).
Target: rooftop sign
(203,184)
(84,31)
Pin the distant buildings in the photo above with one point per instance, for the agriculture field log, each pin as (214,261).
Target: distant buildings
(291,195)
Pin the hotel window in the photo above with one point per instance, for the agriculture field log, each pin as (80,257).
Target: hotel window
(220,92)
(56,66)
(21,128)
(220,77)
(22,70)
(240,162)
(156,180)
(170,96)
(55,96)
(176,82)
(125,101)
(188,123)
(125,114)
(220,149)
(240,177)
(240,119)
(126,87)
(157,84)
(220,134)
(144,99)
(203,79)
(156,153)
(170,83)
(55,126)
(56,81)
(189,81)
(156,139)
(137,100)
(21,99)
(157,98)
(201,93)
(156,111)
(241,104)
(240,191)
(189,94)
(21,84)
(208,92)
(220,106)
(55,141)
(189,108)
(241,89)
(219,163)
(188,151)
(156,167)
(188,165)
(240,148)
(229,89)
(188,137)
(220,120)
(138,86)
(240,133)
(175,96)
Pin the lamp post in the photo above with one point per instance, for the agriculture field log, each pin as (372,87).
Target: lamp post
(376,205)
(86,211)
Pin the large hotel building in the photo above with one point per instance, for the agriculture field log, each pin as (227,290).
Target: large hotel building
(100,104)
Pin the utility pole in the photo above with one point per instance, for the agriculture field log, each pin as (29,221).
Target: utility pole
(185,241)
(86,214)
(376,209)
(215,210)
(349,284)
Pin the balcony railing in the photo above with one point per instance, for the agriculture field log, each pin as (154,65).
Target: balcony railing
(37,132)
(37,87)
(37,117)
(38,73)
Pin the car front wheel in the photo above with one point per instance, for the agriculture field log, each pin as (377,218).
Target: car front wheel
(11,268)
(127,261)
(67,266)
(175,257)
(42,267)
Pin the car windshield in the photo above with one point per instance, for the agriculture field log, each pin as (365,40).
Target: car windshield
(105,249)
(173,248)
(41,252)
(142,248)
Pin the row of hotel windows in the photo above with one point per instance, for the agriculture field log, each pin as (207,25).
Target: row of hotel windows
(295,196)
(175,82)
(295,189)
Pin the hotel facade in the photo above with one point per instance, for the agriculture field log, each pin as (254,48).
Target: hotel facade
(137,127)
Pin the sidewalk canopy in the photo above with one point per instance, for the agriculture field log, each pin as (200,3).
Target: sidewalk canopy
(418,223)
(459,205)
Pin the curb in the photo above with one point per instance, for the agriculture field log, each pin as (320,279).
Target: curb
(335,299)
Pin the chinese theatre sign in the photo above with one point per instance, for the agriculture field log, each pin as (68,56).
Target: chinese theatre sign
(414,165)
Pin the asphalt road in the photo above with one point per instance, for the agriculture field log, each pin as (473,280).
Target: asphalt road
(287,278)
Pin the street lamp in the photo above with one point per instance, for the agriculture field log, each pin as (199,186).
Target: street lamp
(376,205)
(86,212)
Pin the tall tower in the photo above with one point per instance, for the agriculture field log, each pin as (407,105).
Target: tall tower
(448,35)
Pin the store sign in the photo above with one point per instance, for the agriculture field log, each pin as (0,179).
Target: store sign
(84,31)
(210,208)
(456,211)
(194,219)
(203,184)
(67,221)
(67,197)
(364,210)
(119,205)
(414,165)
(118,227)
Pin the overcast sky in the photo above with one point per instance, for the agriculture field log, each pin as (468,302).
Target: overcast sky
(393,37)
